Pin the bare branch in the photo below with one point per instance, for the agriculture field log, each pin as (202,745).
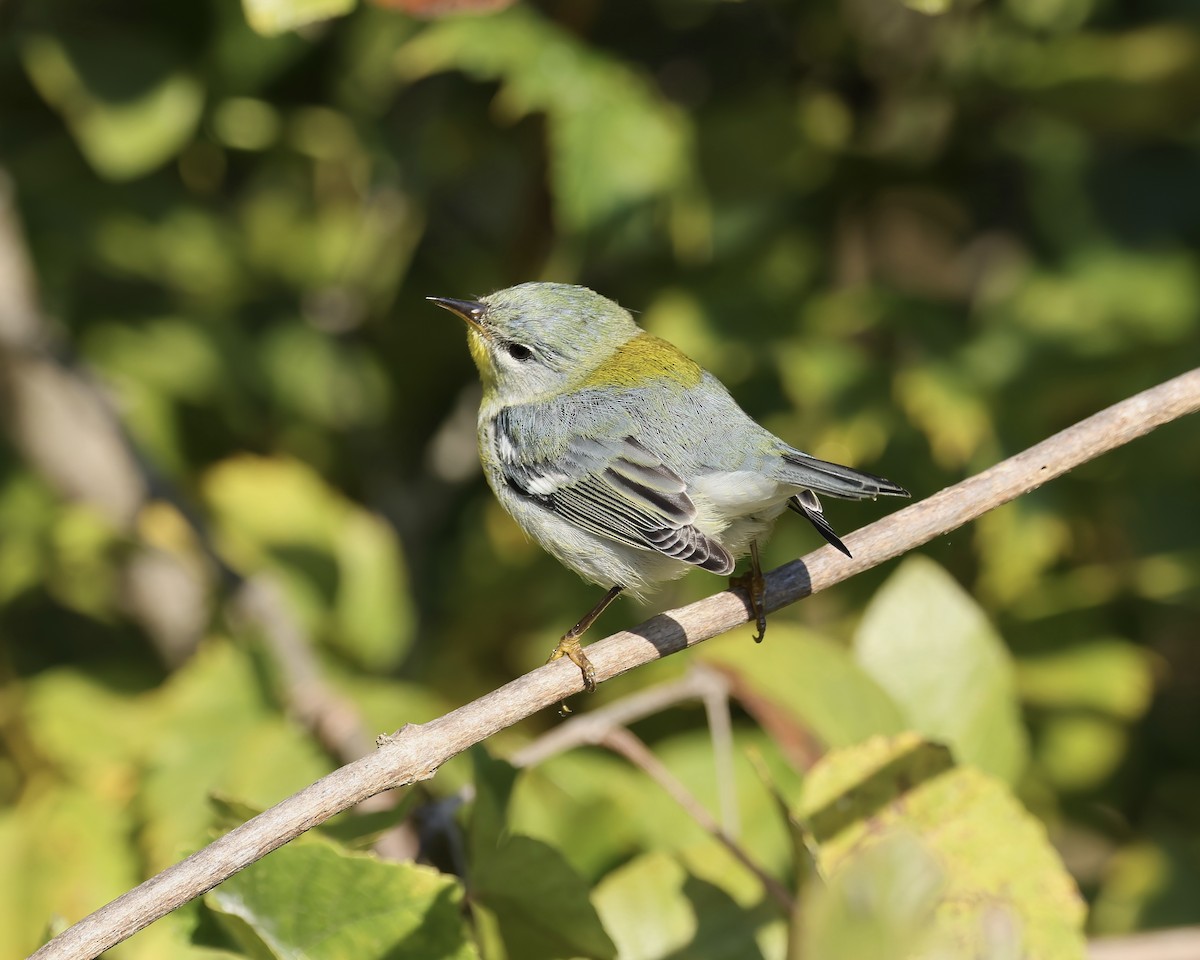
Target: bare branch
(21,326)
(333,720)
(636,752)
(591,727)
(415,752)
(720,729)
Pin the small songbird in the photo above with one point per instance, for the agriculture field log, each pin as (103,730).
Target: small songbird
(621,456)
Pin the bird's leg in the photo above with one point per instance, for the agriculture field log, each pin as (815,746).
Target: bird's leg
(756,590)
(570,647)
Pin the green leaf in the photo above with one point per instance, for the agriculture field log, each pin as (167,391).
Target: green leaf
(125,136)
(535,898)
(594,807)
(1003,891)
(28,511)
(1079,750)
(341,564)
(270,17)
(89,729)
(310,899)
(325,381)
(488,938)
(272,501)
(808,679)
(213,728)
(65,853)
(167,354)
(1110,300)
(599,810)
(540,903)
(689,758)
(373,620)
(1148,884)
(187,250)
(1110,675)
(929,7)
(657,909)
(165,363)
(103,736)
(804,845)
(945,403)
(1017,547)
(614,141)
(880,902)
(494,781)
(383,701)
(930,646)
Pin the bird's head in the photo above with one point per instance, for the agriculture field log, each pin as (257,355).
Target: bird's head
(540,339)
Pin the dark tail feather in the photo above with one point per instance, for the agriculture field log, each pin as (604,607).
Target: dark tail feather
(808,506)
(835,480)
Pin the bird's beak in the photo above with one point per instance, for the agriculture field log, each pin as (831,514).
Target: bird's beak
(469,310)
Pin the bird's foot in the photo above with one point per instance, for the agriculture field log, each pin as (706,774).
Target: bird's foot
(570,647)
(755,586)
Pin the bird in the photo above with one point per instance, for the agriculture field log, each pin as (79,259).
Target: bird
(622,457)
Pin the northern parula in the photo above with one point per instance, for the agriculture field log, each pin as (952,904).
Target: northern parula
(621,456)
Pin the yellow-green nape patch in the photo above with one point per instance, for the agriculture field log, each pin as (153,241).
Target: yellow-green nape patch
(644,359)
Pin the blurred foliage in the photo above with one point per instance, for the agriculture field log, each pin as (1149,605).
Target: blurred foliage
(950,864)
(312,899)
(914,242)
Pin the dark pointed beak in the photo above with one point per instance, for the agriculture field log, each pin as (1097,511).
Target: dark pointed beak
(469,310)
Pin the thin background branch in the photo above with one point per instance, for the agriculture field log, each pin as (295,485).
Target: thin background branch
(66,427)
(416,751)
(590,727)
(621,741)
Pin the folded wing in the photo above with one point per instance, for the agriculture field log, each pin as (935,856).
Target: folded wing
(620,490)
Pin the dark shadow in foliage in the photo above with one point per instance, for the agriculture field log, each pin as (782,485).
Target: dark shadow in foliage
(208,932)
(318,567)
(889,783)
(1172,901)
(429,940)
(724,929)
(41,632)
(542,906)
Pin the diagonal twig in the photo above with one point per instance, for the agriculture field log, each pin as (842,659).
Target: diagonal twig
(621,741)
(415,752)
(581,729)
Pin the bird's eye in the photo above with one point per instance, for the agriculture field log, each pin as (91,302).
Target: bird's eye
(518,351)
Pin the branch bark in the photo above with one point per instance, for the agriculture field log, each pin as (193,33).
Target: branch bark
(416,752)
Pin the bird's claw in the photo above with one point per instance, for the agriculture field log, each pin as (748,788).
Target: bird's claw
(755,586)
(572,649)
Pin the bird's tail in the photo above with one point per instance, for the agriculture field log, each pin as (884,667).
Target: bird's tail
(834,480)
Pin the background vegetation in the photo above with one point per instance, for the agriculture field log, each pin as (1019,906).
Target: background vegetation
(915,243)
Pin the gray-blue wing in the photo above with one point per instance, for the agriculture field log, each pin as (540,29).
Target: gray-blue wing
(616,488)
